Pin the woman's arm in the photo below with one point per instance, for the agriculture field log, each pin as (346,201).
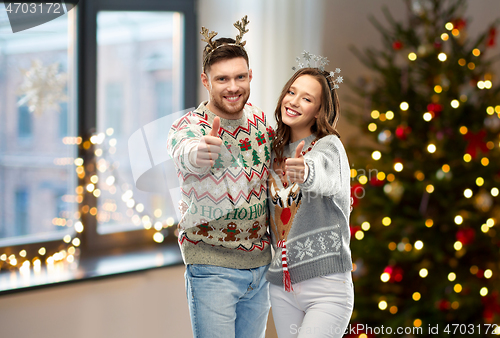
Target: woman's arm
(327,164)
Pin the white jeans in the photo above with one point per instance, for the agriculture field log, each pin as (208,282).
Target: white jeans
(317,307)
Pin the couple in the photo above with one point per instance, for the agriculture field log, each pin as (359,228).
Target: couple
(246,187)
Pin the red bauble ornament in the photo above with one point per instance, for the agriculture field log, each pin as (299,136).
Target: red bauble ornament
(491,37)
(397,45)
(355,229)
(376,182)
(435,109)
(402,132)
(476,142)
(459,23)
(491,306)
(466,235)
(443,305)
(357,192)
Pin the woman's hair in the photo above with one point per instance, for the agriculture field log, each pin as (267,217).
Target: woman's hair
(329,110)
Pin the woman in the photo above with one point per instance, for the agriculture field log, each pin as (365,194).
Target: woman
(309,189)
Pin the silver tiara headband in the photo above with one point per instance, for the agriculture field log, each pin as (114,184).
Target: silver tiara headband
(308,60)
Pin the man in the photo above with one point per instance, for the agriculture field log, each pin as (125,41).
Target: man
(221,152)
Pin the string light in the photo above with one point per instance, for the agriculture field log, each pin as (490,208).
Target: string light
(404,106)
(423,272)
(376,155)
(427,116)
(419,245)
(442,57)
(365,226)
(452,276)
(382,305)
(416,296)
(412,56)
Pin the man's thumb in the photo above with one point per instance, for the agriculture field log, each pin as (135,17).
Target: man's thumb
(215,127)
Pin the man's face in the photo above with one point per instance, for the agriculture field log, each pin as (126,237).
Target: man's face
(228,85)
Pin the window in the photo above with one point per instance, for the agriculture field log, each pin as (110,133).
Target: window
(36,90)
(136,56)
(127,53)
(163,98)
(23,121)
(63,120)
(22,213)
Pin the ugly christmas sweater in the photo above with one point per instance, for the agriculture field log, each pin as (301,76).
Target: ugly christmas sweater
(224,219)
(310,221)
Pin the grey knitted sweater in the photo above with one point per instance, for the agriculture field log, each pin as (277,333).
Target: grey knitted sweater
(313,217)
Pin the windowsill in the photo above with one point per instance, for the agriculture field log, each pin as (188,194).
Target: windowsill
(91,268)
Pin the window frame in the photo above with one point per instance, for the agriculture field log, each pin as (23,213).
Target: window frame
(93,243)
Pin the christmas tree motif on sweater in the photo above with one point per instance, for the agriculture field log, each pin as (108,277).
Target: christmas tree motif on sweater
(266,152)
(234,160)
(261,138)
(218,163)
(231,231)
(242,160)
(190,133)
(255,158)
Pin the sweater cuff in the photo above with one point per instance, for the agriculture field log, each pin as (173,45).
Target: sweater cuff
(309,174)
(191,149)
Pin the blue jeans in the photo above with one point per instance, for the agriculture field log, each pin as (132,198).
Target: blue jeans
(226,303)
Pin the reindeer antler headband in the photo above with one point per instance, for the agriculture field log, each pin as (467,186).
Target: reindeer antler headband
(208,36)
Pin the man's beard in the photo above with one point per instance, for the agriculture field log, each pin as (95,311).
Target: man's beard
(221,104)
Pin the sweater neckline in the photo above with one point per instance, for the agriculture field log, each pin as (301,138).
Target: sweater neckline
(223,121)
(292,146)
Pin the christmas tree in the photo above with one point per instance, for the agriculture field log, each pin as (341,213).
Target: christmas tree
(425,238)
(255,158)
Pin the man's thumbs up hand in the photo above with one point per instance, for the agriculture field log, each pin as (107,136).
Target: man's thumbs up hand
(209,146)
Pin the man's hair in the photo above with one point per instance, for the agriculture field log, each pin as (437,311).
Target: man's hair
(225,49)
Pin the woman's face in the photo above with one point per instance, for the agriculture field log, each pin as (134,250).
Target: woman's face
(301,105)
